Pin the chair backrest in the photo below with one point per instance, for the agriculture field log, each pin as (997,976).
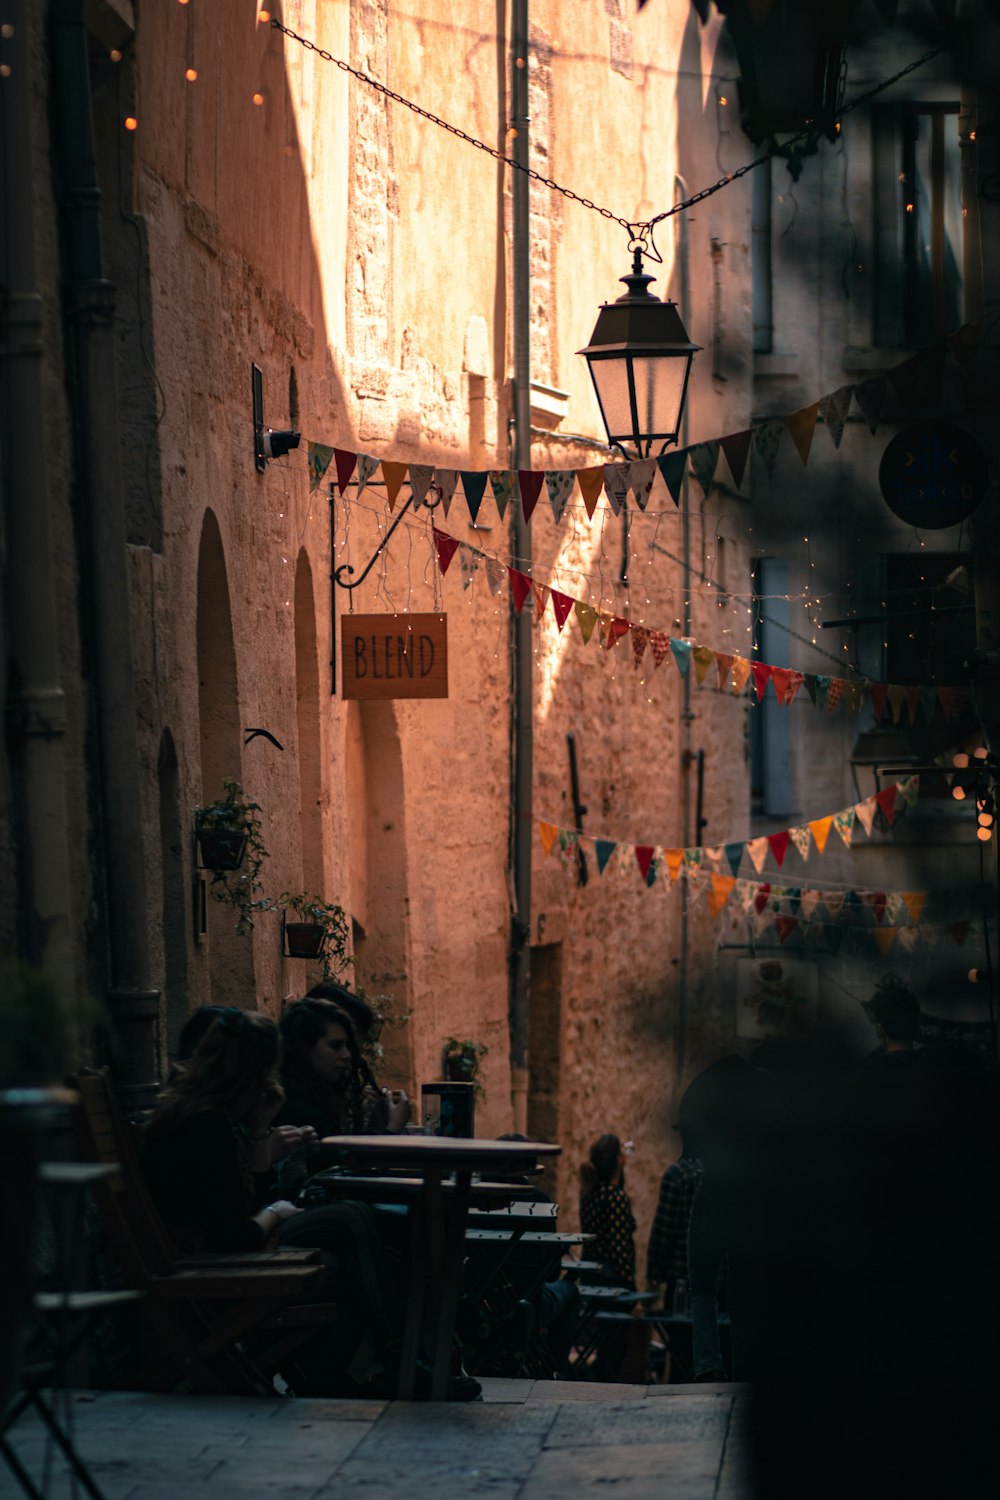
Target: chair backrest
(133,1224)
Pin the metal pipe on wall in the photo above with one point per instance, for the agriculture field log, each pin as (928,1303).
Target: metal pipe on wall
(521,641)
(687,715)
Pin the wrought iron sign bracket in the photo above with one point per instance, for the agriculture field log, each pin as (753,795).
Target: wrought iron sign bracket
(347,567)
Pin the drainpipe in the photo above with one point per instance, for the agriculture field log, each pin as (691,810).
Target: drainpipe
(89,300)
(687,716)
(34,699)
(521,770)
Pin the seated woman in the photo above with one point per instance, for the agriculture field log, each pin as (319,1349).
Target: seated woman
(606,1211)
(328,1084)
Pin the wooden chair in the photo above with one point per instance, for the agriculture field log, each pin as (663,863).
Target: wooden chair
(202,1308)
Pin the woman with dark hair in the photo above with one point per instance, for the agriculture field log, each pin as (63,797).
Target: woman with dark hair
(606,1211)
(328,1084)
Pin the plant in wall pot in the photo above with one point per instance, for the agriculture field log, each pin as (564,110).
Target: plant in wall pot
(231,846)
(460,1059)
(319,929)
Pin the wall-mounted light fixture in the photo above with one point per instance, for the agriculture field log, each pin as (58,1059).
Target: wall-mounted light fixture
(267,443)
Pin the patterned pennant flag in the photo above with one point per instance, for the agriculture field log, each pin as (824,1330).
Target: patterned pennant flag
(736,447)
(319,456)
(445,481)
(446,547)
(561,606)
(659,643)
(909,937)
(914,903)
(761,678)
(495,572)
(820,830)
(672,466)
(908,788)
(886,800)
(762,897)
(704,656)
(802,424)
(345,462)
(616,629)
(723,666)
(644,857)
(766,438)
(559,484)
(720,890)
(779,844)
(734,855)
(616,485)
(844,824)
(834,902)
(745,891)
(603,849)
(800,838)
(420,477)
(530,482)
(822,689)
(894,907)
(808,902)
(591,483)
(503,483)
(865,813)
(896,695)
(785,927)
(366,468)
(586,619)
(393,474)
(741,671)
(474,485)
(682,654)
(703,458)
(884,937)
(640,640)
(834,693)
(541,593)
(757,850)
(641,473)
(713,857)
(834,411)
(870,396)
(468,560)
(520,587)
(548,833)
(673,859)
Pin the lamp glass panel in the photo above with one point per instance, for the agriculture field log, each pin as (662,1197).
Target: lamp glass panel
(611,381)
(659,386)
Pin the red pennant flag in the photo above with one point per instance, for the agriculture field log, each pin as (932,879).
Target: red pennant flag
(616,629)
(959,931)
(879,902)
(541,592)
(736,447)
(561,606)
(640,640)
(879,695)
(786,926)
(644,854)
(913,702)
(779,844)
(520,587)
(782,679)
(659,642)
(530,481)
(762,897)
(345,467)
(446,546)
(886,800)
(761,676)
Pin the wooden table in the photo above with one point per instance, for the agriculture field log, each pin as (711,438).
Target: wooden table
(438,1221)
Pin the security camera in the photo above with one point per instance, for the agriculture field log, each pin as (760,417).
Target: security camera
(277,444)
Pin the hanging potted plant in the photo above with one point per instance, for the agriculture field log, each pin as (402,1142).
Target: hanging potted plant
(231,846)
(461,1058)
(318,929)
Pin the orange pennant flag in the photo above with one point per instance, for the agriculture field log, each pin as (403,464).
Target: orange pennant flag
(741,671)
(393,474)
(547,832)
(591,485)
(586,616)
(820,831)
(720,892)
(802,425)
(723,665)
(673,859)
(885,937)
(914,901)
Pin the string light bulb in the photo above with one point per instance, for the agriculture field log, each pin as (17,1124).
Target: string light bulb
(191,74)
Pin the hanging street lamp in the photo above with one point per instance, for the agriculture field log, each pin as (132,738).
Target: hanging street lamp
(639,358)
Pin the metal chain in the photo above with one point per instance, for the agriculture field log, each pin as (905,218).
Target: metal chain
(640,231)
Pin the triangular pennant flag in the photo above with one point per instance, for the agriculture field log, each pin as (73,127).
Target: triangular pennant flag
(474,485)
(851,693)
(559,484)
(445,482)
(616,485)
(800,838)
(468,561)
(886,800)
(928,702)
(671,466)
(736,446)
(561,606)
(420,477)
(909,937)
(616,629)
(530,482)
(779,844)
(734,855)
(820,830)
(865,813)
(931,935)
(952,701)
(547,832)
(811,685)
(703,458)
(723,666)
(785,927)
(703,659)
(795,681)
(520,587)
(879,693)
(834,411)
(802,424)
(896,694)
(393,474)
(644,856)
(757,850)
(713,857)
(766,437)
(604,619)
(884,937)
(503,483)
(603,849)
(894,907)
(745,891)
(640,640)
(720,890)
(541,592)
(659,643)
(834,902)
(673,859)
(822,689)
(319,456)
(844,824)
(366,468)
(808,902)
(781,677)
(682,654)
(741,671)
(591,483)
(641,473)
(870,396)
(878,901)
(834,693)
(762,897)
(446,547)
(914,903)
(495,572)
(586,618)
(908,788)
(345,461)
(761,678)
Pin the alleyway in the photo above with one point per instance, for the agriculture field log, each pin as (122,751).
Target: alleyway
(529,1440)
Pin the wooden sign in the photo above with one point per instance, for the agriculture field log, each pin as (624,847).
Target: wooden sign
(394,656)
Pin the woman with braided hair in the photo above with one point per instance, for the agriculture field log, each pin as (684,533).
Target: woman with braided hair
(328,1084)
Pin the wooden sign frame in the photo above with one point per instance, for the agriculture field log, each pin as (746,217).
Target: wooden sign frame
(394,656)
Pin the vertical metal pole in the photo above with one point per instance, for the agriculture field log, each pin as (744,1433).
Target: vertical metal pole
(687,714)
(521,831)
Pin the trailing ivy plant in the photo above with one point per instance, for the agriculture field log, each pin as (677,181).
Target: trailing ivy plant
(333,920)
(461,1058)
(241,888)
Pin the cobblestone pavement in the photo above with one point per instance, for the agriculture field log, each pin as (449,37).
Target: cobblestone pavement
(527,1440)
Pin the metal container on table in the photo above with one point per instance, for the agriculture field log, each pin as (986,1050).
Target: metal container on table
(449,1109)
